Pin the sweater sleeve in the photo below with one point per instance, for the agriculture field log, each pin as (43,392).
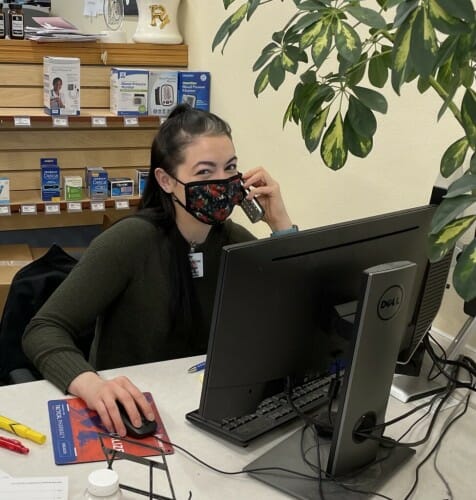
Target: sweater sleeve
(101,275)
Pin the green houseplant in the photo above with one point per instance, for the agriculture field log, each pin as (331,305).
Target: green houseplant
(387,42)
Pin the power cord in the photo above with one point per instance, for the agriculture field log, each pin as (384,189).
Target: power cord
(436,446)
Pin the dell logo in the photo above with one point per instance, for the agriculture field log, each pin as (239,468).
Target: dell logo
(390,302)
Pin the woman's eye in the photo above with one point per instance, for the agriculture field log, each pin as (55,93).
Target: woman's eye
(233,166)
(203,171)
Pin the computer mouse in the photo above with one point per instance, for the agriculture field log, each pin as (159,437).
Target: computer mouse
(147,428)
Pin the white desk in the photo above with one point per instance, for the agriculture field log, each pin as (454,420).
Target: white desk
(176,392)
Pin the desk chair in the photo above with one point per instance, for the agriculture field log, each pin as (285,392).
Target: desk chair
(30,288)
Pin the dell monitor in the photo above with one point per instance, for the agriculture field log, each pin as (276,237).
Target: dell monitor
(285,316)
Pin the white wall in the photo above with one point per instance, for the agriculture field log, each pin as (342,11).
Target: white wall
(399,173)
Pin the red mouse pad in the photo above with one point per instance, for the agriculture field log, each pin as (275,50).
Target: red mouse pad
(75,428)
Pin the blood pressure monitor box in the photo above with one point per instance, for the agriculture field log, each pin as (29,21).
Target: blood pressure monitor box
(61,78)
(194,89)
(129,91)
(163,87)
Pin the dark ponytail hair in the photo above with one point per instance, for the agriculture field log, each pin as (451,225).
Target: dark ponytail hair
(175,134)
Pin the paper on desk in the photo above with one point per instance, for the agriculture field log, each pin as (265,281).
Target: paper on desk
(34,488)
(3,474)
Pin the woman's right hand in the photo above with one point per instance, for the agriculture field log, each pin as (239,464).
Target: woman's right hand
(101,395)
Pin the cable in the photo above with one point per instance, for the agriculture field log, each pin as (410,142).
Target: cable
(437,444)
(391,442)
(463,362)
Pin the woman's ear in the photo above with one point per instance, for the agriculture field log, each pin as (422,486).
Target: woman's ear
(164,180)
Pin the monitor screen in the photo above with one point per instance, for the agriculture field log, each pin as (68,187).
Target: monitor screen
(284,306)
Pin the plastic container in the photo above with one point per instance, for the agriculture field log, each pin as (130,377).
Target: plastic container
(103,484)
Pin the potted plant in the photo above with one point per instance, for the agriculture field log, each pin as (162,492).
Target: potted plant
(391,43)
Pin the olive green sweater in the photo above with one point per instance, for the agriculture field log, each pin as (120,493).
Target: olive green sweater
(122,284)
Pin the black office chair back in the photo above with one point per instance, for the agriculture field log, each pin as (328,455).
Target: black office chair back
(30,288)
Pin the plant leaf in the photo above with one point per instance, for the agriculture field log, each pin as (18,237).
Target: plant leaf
(371,98)
(472,164)
(367,16)
(253,5)
(378,72)
(448,210)
(322,45)
(464,275)
(463,185)
(348,43)
(276,73)
(229,26)
(423,46)
(400,53)
(310,34)
(227,3)
(443,21)
(265,55)
(290,58)
(333,149)
(357,71)
(403,11)
(453,157)
(288,114)
(361,117)
(313,132)
(468,116)
(443,241)
(262,80)
(461,9)
(357,144)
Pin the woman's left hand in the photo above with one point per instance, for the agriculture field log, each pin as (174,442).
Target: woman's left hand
(267,191)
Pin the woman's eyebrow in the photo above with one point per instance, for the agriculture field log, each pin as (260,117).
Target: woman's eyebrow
(210,163)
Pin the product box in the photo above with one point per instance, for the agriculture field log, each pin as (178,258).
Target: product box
(142,174)
(4,191)
(61,95)
(73,187)
(97,184)
(129,91)
(120,186)
(50,179)
(194,89)
(163,86)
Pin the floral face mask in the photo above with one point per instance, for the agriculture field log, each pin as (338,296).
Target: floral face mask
(212,201)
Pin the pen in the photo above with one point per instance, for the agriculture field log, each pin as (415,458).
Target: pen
(21,430)
(197,368)
(13,445)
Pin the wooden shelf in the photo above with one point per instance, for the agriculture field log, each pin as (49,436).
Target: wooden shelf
(33,197)
(115,54)
(39,119)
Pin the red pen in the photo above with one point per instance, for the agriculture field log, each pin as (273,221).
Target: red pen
(13,445)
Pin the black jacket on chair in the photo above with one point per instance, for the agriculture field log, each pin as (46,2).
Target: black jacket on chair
(30,288)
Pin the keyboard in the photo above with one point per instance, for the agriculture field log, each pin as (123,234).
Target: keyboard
(270,414)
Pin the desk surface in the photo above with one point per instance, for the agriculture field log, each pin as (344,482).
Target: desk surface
(176,392)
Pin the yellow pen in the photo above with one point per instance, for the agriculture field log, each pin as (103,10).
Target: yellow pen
(21,430)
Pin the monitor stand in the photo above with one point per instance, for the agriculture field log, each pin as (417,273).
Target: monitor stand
(407,388)
(288,455)
(355,461)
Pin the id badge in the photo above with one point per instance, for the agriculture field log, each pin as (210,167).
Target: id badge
(196,264)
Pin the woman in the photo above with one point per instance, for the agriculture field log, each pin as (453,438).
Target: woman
(148,282)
